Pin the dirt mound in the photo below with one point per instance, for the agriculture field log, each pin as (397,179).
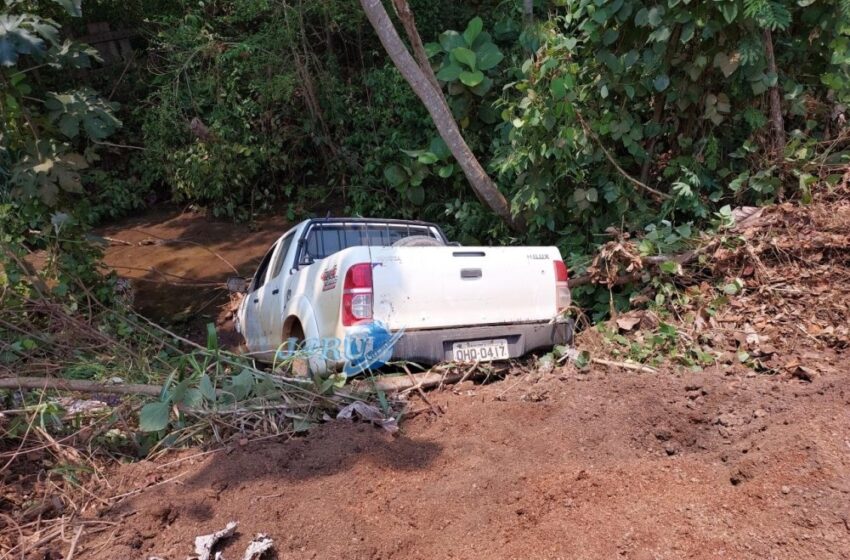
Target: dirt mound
(593,465)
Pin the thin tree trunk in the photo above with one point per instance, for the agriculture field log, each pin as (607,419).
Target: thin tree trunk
(528,12)
(658,105)
(434,102)
(777,124)
(405,14)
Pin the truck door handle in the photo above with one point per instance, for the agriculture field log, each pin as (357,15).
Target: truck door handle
(470,273)
(275,292)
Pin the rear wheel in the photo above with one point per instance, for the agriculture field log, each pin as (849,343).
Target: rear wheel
(299,364)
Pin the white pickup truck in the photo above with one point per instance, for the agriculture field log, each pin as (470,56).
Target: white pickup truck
(326,278)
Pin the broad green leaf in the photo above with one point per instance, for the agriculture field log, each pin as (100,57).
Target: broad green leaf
(592,195)
(68,179)
(471,79)
(472,30)
(73,160)
(439,148)
(301,425)
(449,73)
(178,393)
(395,175)
(727,63)
(489,56)
(154,416)
(451,40)
(206,387)
(481,89)
(660,35)
(582,361)
(465,56)
(729,11)
(654,16)
(671,267)
(73,7)
(416,195)
(427,158)
(446,171)
(241,384)
(558,88)
(48,193)
(661,82)
(687,33)
(483,39)
(418,175)
(192,398)
(432,49)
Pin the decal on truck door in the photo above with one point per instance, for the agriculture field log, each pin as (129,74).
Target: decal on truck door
(329,278)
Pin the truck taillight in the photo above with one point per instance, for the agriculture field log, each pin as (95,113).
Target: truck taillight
(357,294)
(562,288)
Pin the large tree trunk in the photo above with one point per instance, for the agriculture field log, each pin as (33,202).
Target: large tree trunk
(434,102)
(777,123)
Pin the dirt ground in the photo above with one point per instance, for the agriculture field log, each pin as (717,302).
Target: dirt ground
(601,463)
(561,465)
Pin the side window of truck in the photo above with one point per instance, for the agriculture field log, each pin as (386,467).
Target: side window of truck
(281,255)
(260,276)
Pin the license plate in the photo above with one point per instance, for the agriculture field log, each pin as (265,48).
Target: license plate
(480,350)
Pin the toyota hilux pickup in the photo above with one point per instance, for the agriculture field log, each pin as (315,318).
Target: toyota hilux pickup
(326,279)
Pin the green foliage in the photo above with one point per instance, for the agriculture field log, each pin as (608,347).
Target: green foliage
(674,93)
(48,141)
(255,102)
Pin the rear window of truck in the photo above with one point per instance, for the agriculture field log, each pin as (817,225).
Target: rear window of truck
(323,240)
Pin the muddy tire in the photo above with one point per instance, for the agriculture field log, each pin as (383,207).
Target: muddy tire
(300,366)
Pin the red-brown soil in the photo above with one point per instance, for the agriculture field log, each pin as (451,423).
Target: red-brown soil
(563,465)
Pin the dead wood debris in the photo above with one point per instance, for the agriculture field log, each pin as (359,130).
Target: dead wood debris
(792,265)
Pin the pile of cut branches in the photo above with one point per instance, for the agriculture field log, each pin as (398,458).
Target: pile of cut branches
(771,292)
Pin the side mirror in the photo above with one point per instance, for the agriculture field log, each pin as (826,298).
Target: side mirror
(238,285)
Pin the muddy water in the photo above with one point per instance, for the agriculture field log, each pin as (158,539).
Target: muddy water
(178,262)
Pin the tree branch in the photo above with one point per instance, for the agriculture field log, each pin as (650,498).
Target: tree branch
(80,385)
(481,184)
(616,165)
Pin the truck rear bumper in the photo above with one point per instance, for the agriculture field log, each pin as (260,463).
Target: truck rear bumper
(435,345)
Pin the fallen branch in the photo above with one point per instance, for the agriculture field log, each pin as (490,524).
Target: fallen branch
(80,385)
(652,260)
(424,380)
(624,365)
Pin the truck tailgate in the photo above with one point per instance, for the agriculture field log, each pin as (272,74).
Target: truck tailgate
(433,287)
